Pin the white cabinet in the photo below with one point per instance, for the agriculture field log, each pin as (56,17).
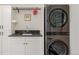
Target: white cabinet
(24,46)
(16,46)
(0,20)
(34,46)
(13,46)
(5,24)
(6,17)
(0,47)
(1,29)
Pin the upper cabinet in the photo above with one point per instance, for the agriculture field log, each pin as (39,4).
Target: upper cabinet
(5,19)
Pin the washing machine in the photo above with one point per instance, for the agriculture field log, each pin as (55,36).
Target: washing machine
(56,29)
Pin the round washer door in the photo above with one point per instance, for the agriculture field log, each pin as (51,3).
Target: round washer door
(58,17)
(58,48)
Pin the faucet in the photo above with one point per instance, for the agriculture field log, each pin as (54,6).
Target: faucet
(27,28)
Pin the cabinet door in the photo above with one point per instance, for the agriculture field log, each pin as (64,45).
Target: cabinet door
(15,46)
(0,30)
(5,26)
(0,46)
(1,17)
(34,46)
(6,17)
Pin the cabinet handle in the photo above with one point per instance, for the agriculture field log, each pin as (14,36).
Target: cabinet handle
(25,43)
(2,26)
(2,33)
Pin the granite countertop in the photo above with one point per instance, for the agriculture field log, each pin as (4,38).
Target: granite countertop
(34,35)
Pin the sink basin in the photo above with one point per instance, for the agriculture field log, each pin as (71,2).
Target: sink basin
(27,34)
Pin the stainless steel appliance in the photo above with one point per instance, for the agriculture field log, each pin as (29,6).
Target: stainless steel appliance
(56,29)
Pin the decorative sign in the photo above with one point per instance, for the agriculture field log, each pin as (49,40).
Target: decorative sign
(27,17)
(34,11)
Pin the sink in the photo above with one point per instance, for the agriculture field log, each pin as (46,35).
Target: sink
(27,34)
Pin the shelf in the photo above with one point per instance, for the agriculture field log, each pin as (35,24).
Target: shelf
(17,8)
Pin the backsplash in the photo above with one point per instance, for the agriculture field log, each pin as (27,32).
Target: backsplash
(33,24)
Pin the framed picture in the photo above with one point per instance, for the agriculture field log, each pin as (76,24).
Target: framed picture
(27,17)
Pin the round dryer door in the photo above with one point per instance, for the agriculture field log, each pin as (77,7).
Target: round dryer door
(58,48)
(58,17)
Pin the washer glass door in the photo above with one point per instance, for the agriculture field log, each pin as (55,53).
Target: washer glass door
(58,48)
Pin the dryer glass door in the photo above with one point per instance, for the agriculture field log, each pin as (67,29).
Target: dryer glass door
(58,17)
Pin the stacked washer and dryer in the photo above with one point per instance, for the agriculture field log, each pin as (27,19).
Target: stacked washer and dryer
(56,29)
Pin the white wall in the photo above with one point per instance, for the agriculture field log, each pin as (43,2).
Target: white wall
(74,29)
